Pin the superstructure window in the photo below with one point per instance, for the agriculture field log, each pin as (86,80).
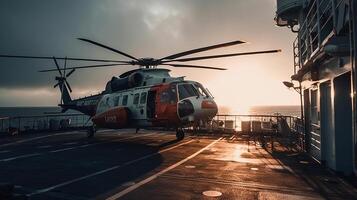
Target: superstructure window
(125,100)
(143,98)
(187,90)
(136,99)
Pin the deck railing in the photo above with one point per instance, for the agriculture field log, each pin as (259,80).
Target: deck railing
(290,127)
(14,125)
(319,24)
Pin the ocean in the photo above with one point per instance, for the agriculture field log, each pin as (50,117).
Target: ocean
(270,110)
(30,111)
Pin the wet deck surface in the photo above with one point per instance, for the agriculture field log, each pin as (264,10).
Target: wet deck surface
(152,165)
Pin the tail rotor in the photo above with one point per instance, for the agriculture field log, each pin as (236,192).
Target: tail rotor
(62,81)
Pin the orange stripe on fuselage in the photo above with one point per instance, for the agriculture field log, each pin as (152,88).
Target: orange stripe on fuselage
(208,105)
(116,117)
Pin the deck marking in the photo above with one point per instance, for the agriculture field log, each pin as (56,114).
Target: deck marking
(105,170)
(85,145)
(70,148)
(50,135)
(36,138)
(23,156)
(70,143)
(60,150)
(44,146)
(73,180)
(133,187)
(98,143)
(212,193)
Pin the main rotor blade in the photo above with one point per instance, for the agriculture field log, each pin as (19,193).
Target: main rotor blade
(69,73)
(221,56)
(63,58)
(185,53)
(80,67)
(58,68)
(109,48)
(195,66)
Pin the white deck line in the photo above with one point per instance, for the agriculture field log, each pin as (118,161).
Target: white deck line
(22,156)
(70,143)
(104,170)
(54,134)
(36,138)
(137,185)
(65,149)
(70,148)
(44,146)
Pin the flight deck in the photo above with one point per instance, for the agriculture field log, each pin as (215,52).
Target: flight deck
(122,164)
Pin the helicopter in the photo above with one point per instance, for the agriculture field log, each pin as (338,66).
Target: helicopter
(144,97)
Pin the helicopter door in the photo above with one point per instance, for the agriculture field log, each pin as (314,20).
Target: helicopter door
(150,105)
(142,105)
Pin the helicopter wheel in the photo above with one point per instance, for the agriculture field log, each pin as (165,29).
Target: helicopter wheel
(90,132)
(180,134)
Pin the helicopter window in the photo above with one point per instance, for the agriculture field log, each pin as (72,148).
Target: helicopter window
(187,90)
(125,100)
(116,100)
(202,90)
(143,98)
(136,98)
(102,105)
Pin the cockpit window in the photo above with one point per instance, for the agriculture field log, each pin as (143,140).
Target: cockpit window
(202,90)
(187,90)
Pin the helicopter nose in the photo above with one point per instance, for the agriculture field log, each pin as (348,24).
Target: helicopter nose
(185,108)
(209,107)
(208,104)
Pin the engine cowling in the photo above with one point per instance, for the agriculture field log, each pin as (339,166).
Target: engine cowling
(117,84)
(116,117)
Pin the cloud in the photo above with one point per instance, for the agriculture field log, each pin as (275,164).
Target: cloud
(151,28)
(25,97)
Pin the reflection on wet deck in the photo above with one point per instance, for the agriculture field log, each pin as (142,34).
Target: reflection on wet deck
(125,165)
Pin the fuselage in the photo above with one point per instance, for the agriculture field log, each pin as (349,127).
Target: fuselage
(174,104)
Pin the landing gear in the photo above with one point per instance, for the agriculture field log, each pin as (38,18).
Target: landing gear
(180,134)
(90,132)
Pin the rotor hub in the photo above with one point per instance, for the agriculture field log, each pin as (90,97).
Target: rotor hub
(148,62)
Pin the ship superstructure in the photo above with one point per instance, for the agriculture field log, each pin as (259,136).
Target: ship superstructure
(325,72)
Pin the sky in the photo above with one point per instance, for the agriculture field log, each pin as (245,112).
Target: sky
(145,28)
